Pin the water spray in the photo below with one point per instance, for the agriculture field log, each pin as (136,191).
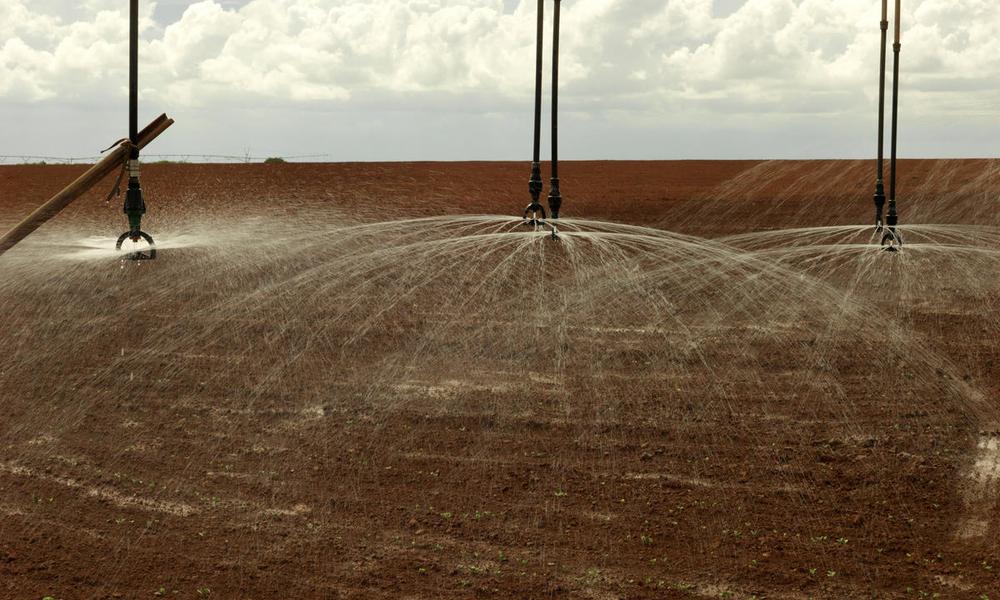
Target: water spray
(534,214)
(135,206)
(880,180)
(892,240)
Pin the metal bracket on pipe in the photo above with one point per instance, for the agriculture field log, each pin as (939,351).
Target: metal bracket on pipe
(892,241)
(534,214)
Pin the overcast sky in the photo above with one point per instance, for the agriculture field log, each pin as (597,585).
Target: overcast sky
(453,79)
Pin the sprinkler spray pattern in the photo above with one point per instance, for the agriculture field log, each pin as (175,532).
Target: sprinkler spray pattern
(724,394)
(738,377)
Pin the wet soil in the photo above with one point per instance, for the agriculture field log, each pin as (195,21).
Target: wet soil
(181,486)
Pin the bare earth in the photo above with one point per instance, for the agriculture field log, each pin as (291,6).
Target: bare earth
(298,400)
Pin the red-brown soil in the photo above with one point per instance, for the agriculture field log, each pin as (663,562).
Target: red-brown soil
(291,421)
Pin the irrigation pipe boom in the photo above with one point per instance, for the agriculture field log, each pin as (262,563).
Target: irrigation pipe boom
(121,152)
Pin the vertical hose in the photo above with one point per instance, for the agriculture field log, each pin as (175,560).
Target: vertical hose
(879,197)
(896,47)
(881,105)
(539,36)
(535,181)
(892,219)
(555,197)
(884,25)
(133,77)
(135,206)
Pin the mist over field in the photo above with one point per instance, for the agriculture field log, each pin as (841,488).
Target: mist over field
(300,333)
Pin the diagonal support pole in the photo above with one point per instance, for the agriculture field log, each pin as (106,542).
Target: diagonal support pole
(82,184)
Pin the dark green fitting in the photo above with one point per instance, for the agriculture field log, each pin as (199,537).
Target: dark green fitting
(135,222)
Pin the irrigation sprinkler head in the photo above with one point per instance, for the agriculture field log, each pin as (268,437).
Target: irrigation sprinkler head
(879,200)
(138,236)
(134,209)
(533,210)
(892,241)
(534,214)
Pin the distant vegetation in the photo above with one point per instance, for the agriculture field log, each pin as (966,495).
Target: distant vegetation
(152,159)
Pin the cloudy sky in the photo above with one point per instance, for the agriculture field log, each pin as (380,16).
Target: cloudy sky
(453,79)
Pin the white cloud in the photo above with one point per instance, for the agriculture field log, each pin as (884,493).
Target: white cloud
(639,58)
(776,53)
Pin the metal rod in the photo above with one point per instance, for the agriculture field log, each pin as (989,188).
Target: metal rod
(879,197)
(135,206)
(555,197)
(535,182)
(133,77)
(892,237)
(898,18)
(896,47)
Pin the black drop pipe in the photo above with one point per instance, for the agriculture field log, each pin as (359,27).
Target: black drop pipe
(555,198)
(879,197)
(135,206)
(892,237)
(535,182)
(133,77)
